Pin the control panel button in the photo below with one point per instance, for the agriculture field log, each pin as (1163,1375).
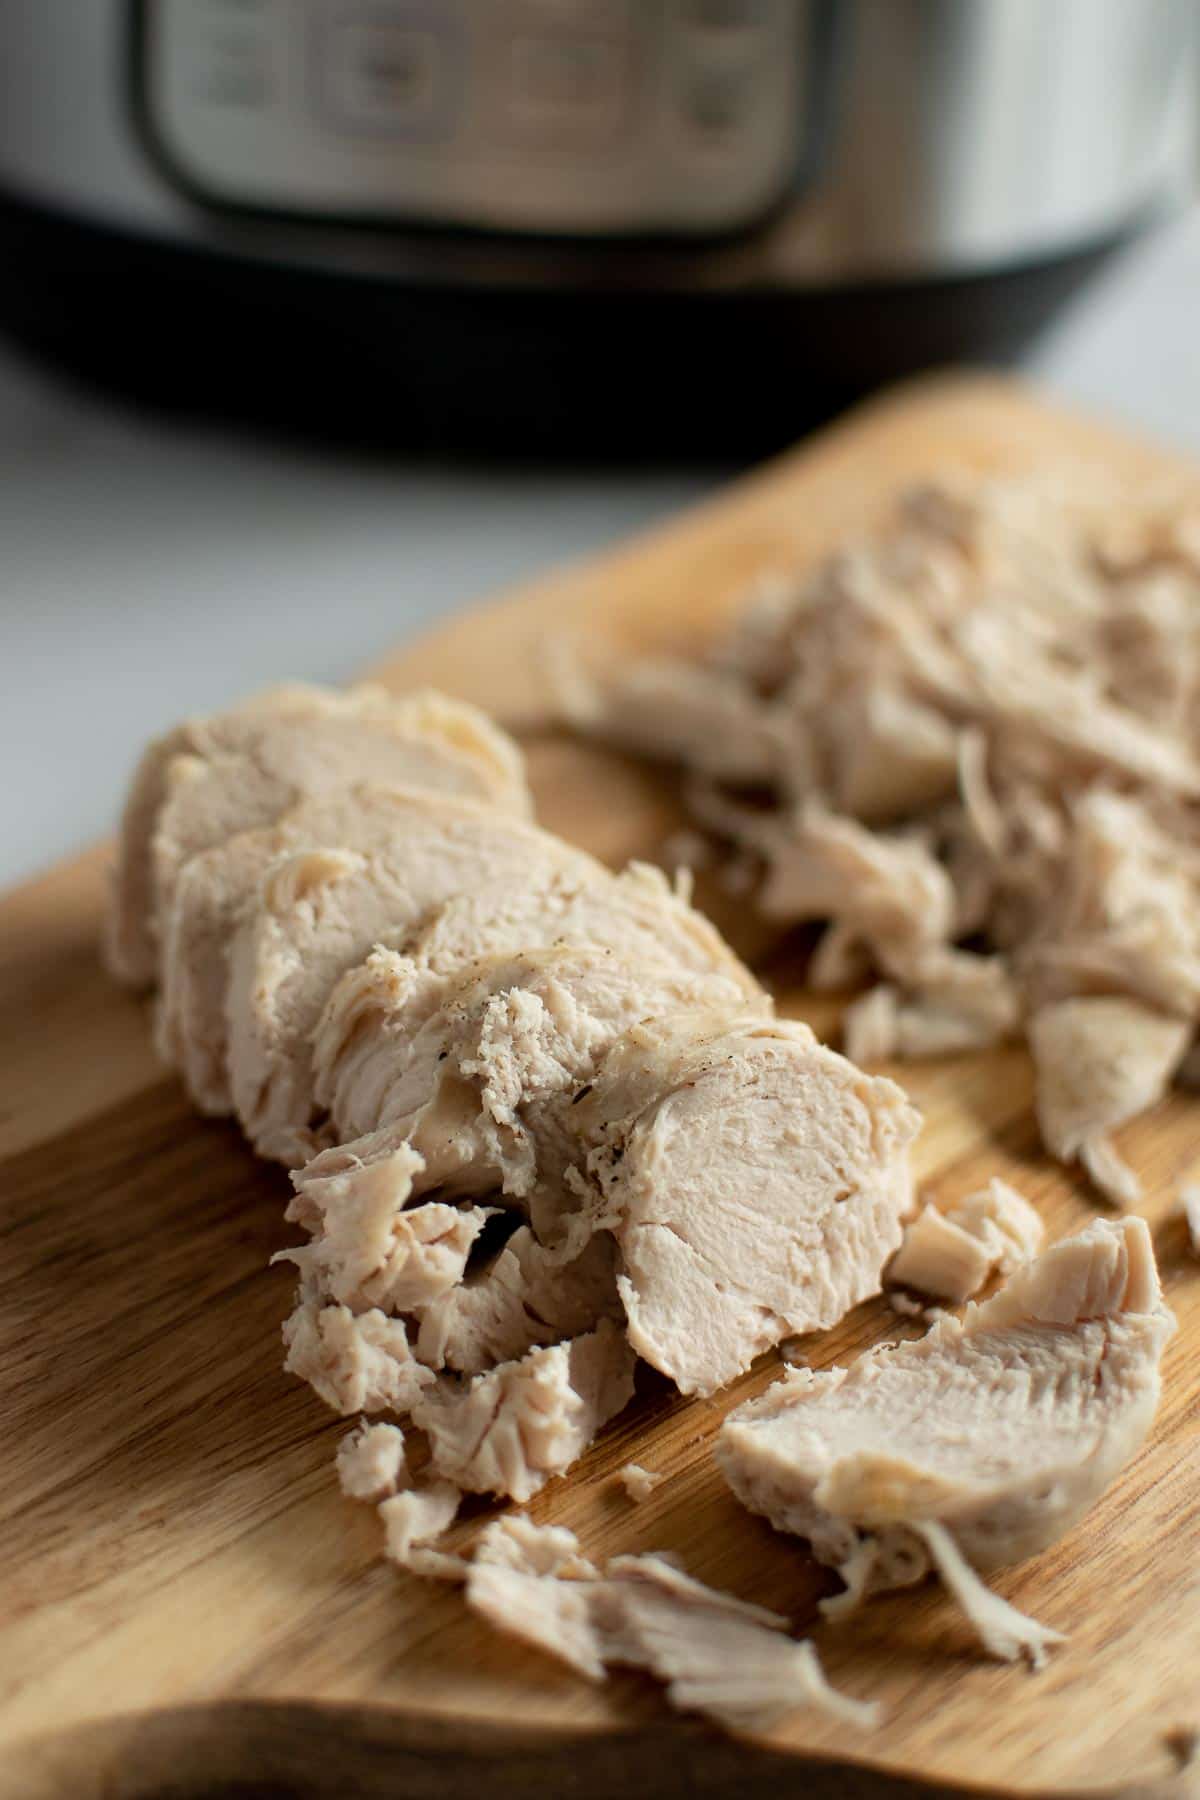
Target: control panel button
(389,76)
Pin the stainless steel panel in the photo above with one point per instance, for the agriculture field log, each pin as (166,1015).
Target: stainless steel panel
(532,115)
(958,135)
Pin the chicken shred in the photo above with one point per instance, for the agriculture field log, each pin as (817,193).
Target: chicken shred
(732,1662)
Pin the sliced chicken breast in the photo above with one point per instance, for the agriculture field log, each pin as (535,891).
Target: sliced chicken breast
(755,1183)
(394,857)
(997,1431)
(484,1086)
(317,918)
(213,777)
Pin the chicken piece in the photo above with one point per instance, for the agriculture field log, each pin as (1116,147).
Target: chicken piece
(289,918)
(754,1181)
(315,921)
(368,1250)
(956,1002)
(130,943)
(481,1087)
(371,1463)
(424,742)
(527,1024)
(952,1254)
(412,1520)
(213,777)
(553,1615)
(356,1362)
(985,1440)
(219,888)
(679,712)
(1005,1221)
(513,1541)
(1099,1062)
(891,755)
(527,1297)
(638,1483)
(939,1257)
(890,891)
(871,1026)
(717,1655)
(509,1431)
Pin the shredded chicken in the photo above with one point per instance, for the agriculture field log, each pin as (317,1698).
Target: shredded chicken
(1100,1062)
(974,738)
(718,1656)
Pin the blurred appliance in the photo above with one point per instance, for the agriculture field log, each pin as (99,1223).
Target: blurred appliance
(613,223)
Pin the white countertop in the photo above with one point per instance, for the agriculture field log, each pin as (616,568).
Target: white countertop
(147,571)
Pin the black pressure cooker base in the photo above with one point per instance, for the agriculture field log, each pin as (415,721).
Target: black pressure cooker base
(567,374)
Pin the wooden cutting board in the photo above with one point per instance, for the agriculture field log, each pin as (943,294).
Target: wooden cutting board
(175,1561)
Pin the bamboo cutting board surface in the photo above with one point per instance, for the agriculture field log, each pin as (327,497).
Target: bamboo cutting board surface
(174,1553)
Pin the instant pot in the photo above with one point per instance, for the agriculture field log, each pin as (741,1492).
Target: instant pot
(580,224)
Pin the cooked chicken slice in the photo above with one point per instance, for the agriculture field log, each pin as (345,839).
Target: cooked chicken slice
(754,1181)
(272,764)
(509,1431)
(952,1254)
(718,1656)
(217,889)
(1100,1061)
(371,1463)
(526,1297)
(525,1023)
(315,921)
(213,777)
(130,944)
(477,1073)
(392,858)
(356,1362)
(1005,1221)
(997,1431)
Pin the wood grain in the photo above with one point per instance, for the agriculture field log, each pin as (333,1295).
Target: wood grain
(184,1595)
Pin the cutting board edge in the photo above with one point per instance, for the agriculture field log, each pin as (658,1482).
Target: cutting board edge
(375,1751)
